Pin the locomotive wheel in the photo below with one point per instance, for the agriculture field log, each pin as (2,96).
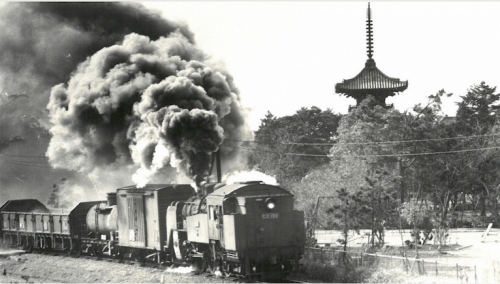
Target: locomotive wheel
(198,265)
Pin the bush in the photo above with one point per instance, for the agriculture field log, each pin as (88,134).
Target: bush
(336,273)
(340,273)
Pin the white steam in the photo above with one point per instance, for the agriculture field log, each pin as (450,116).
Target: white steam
(249,176)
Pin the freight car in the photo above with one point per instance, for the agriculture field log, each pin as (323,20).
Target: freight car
(29,224)
(249,228)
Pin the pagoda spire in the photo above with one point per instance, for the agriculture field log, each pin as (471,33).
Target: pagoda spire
(369,35)
(370,81)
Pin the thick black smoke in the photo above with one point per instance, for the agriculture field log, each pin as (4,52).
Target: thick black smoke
(43,45)
(48,40)
(152,102)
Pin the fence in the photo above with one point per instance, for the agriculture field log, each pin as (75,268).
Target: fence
(414,266)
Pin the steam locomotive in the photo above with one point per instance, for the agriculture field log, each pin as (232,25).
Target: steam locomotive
(250,228)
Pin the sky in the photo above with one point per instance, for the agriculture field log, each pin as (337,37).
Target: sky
(287,55)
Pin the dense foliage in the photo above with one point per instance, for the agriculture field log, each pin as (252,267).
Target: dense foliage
(288,147)
(383,166)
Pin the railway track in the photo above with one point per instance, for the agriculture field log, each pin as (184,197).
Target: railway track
(163,267)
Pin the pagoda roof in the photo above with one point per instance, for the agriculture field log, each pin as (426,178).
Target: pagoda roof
(371,79)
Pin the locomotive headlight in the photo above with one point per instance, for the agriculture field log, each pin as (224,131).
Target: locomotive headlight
(270,203)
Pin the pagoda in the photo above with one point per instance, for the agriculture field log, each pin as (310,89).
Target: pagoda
(370,81)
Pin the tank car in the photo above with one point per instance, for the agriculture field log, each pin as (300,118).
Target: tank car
(246,228)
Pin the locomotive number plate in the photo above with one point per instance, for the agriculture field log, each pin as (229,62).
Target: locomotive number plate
(270,215)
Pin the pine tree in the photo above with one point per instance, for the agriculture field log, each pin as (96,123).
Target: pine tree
(477,114)
(478,111)
(55,196)
(347,214)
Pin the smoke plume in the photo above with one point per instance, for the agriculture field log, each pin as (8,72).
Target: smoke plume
(107,72)
(150,102)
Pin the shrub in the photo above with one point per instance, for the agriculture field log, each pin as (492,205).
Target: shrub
(336,273)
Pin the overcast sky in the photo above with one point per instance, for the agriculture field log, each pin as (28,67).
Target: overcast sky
(288,55)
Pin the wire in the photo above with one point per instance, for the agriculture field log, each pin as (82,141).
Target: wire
(377,155)
(30,165)
(263,151)
(429,153)
(23,156)
(370,143)
(24,161)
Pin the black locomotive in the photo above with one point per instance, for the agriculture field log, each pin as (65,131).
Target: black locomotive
(250,229)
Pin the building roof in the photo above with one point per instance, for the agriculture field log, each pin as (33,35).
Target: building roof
(371,79)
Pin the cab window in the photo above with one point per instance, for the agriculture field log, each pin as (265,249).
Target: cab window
(231,206)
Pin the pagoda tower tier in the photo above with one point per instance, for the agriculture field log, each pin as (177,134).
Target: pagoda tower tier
(370,81)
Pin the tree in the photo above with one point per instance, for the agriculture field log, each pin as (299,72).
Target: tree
(366,166)
(348,213)
(55,198)
(480,171)
(402,146)
(479,110)
(380,200)
(477,115)
(289,147)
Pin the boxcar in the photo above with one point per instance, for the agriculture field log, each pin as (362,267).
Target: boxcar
(142,214)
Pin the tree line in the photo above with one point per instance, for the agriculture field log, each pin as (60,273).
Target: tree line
(385,168)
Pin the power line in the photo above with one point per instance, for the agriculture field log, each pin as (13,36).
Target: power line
(428,153)
(377,155)
(263,151)
(369,143)
(23,156)
(24,161)
(30,165)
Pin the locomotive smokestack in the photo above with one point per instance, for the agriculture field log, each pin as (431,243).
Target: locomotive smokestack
(219,171)
(217,161)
